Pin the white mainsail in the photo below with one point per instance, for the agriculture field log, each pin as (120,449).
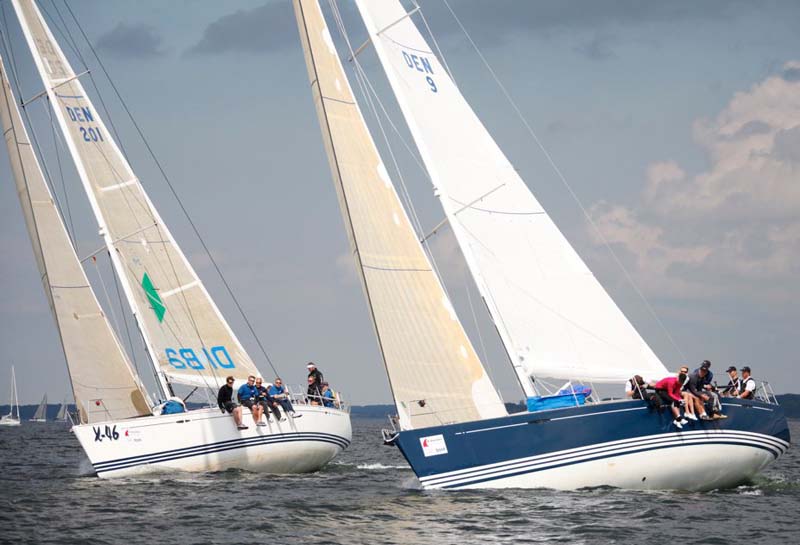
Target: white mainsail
(102,381)
(554,317)
(435,374)
(41,411)
(12,418)
(185,334)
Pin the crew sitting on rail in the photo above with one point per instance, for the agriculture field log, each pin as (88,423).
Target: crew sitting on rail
(278,392)
(702,396)
(689,399)
(247,396)
(266,402)
(227,405)
(669,390)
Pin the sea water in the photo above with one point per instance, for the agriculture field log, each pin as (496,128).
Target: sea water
(367,495)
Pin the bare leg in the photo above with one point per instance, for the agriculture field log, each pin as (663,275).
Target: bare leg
(237,416)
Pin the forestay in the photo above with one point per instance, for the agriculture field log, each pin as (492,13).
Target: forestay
(435,374)
(181,325)
(102,381)
(554,317)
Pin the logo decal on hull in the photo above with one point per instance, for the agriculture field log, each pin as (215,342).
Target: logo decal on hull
(433,445)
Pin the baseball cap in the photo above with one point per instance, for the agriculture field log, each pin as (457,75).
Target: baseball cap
(729,369)
(745,368)
(311,364)
(706,364)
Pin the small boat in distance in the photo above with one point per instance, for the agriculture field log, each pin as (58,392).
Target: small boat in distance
(188,343)
(553,317)
(12,418)
(41,411)
(63,412)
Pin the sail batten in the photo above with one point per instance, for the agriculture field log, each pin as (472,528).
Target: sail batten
(186,337)
(98,367)
(553,316)
(434,373)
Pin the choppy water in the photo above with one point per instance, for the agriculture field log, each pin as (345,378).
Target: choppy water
(368,495)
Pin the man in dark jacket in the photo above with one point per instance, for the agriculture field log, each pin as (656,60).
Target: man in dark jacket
(703,396)
(314,372)
(227,405)
(734,384)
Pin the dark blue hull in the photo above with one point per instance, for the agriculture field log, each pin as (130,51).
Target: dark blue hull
(622,443)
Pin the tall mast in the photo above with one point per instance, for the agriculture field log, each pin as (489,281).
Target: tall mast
(103,230)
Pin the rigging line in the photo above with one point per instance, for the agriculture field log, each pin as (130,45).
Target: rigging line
(364,85)
(563,179)
(56,142)
(106,111)
(177,198)
(475,318)
(124,317)
(108,299)
(8,51)
(436,44)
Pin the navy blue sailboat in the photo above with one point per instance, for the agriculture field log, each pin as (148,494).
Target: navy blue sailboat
(552,315)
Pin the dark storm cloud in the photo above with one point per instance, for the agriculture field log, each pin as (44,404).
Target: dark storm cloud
(256,30)
(131,41)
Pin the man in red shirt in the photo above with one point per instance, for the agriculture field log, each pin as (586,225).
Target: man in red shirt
(669,390)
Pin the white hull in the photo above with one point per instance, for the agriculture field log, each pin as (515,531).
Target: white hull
(207,440)
(698,467)
(5,421)
(37,420)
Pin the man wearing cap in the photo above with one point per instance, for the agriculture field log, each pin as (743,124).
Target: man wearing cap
(734,384)
(748,384)
(316,374)
(708,380)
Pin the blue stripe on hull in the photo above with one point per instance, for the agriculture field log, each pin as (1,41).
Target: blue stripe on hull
(222,446)
(478,452)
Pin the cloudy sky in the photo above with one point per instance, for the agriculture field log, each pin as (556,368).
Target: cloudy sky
(676,123)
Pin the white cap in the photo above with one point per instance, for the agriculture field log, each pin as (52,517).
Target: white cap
(310,365)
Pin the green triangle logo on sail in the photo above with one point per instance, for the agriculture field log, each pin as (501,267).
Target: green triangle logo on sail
(152,295)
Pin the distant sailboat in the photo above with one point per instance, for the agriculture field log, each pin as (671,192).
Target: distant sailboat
(12,418)
(187,340)
(63,414)
(41,411)
(553,317)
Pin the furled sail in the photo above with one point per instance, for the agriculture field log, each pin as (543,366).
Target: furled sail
(182,327)
(554,317)
(102,381)
(435,374)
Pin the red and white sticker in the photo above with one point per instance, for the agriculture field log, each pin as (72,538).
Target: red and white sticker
(433,445)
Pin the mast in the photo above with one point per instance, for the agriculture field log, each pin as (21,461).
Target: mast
(186,337)
(435,374)
(103,230)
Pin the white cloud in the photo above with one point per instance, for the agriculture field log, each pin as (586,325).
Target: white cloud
(736,223)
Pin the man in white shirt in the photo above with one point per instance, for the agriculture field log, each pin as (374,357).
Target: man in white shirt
(748,384)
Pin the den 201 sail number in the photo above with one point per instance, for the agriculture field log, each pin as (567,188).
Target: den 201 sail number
(105,432)
(83,116)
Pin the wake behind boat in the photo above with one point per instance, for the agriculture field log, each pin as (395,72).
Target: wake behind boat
(187,341)
(553,317)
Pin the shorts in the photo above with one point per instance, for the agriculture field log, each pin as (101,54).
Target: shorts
(229,406)
(248,403)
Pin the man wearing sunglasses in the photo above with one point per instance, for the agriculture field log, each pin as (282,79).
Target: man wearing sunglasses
(227,405)
(278,392)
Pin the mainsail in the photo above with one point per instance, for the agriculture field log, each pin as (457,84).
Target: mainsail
(102,381)
(187,337)
(554,317)
(435,374)
(41,410)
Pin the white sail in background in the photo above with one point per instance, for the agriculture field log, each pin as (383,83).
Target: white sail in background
(41,411)
(182,327)
(554,317)
(102,381)
(12,418)
(435,375)
(62,412)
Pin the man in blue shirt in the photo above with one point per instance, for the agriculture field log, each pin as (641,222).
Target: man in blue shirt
(248,397)
(278,392)
(328,399)
(265,400)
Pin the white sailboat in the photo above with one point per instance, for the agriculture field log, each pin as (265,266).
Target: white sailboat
(12,418)
(553,317)
(41,411)
(62,414)
(187,340)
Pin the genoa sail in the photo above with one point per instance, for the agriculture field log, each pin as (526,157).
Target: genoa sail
(554,317)
(102,381)
(41,411)
(435,375)
(185,334)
